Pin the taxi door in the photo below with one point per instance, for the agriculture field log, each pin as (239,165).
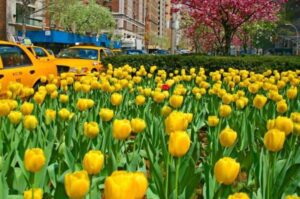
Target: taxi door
(7,72)
(17,65)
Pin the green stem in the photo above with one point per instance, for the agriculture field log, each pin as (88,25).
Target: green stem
(167,178)
(90,191)
(177,162)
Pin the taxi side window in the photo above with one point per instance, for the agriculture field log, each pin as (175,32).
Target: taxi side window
(40,52)
(13,56)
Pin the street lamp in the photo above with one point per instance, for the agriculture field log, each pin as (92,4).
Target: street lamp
(297,43)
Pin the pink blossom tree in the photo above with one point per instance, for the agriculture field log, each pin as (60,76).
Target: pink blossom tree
(224,18)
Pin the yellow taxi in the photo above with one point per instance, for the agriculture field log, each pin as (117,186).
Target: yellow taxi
(18,64)
(40,53)
(117,51)
(81,59)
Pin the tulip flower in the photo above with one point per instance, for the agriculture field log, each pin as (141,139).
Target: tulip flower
(37,194)
(284,124)
(93,162)
(224,110)
(27,108)
(138,125)
(91,129)
(176,101)
(30,122)
(140,100)
(259,101)
(77,184)
(227,137)
(179,143)
(213,121)
(176,121)
(226,170)
(121,129)
(15,117)
(274,140)
(106,114)
(116,99)
(34,159)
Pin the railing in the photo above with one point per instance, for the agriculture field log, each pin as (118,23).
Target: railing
(29,21)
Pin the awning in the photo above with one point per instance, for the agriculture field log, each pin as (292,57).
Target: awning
(54,36)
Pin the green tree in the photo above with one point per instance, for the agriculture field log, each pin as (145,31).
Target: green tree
(75,16)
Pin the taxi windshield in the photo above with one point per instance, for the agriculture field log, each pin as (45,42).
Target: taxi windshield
(79,53)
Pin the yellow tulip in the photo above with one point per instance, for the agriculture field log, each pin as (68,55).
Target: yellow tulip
(15,117)
(64,114)
(91,129)
(284,124)
(281,106)
(227,98)
(227,137)
(90,103)
(176,121)
(274,140)
(189,117)
(240,195)
(121,129)
(116,99)
(39,97)
(240,103)
(93,162)
(213,120)
(259,101)
(63,98)
(138,125)
(119,185)
(226,170)
(106,114)
(82,104)
(77,184)
(140,184)
(54,95)
(30,122)
(27,108)
(297,128)
(176,101)
(295,116)
(292,93)
(179,143)
(140,100)
(37,193)
(34,159)
(165,111)
(158,97)
(50,115)
(51,88)
(224,110)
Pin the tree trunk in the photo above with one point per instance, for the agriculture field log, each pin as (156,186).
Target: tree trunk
(228,32)
(228,37)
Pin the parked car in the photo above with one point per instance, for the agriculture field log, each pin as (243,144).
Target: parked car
(18,64)
(135,52)
(117,51)
(82,59)
(160,52)
(41,53)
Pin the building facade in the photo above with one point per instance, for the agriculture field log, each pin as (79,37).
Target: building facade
(13,17)
(130,18)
